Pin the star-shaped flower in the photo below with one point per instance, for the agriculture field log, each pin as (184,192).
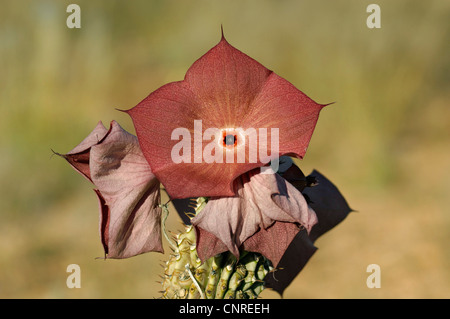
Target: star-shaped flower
(226,104)
(209,135)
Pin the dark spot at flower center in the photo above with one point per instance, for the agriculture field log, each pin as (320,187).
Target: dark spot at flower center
(229,140)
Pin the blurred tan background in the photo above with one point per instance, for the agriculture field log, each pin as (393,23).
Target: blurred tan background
(384,143)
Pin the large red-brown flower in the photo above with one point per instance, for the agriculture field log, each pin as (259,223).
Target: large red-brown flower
(222,92)
(207,136)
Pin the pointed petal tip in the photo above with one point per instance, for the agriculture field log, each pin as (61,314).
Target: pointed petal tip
(120,110)
(56,153)
(113,124)
(104,257)
(323,105)
(221,31)
(222,36)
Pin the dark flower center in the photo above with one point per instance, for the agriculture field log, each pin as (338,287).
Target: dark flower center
(229,140)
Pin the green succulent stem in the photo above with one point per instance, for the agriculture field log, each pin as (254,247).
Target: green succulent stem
(220,277)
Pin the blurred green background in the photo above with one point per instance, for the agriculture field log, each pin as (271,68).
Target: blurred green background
(385,142)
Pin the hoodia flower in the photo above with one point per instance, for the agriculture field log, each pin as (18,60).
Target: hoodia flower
(228,116)
(206,136)
(128,192)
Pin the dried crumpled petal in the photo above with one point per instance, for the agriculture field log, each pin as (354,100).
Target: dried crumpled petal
(223,89)
(264,216)
(331,209)
(78,158)
(128,192)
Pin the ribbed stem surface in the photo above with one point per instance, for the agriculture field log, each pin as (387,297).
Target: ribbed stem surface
(220,277)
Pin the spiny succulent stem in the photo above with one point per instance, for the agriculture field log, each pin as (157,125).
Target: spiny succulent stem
(221,276)
(188,268)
